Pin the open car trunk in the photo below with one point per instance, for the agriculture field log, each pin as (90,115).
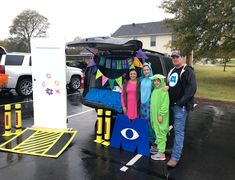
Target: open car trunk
(105,73)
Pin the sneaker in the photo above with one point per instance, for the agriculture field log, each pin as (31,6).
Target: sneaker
(159,157)
(172,162)
(153,149)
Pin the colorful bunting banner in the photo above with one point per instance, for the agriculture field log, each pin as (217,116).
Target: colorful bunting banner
(132,66)
(102,61)
(114,64)
(119,64)
(91,63)
(98,74)
(127,65)
(141,54)
(129,62)
(104,80)
(119,81)
(111,83)
(94,69)
(137,62)
(108,63)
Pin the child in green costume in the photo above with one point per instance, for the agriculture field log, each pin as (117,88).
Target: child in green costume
(159,115)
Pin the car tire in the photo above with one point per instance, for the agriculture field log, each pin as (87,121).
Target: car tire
(75,83)
(24,87)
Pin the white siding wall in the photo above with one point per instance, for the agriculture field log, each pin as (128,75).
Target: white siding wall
(162,43)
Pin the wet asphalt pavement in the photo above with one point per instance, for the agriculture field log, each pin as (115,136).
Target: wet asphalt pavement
(208,152)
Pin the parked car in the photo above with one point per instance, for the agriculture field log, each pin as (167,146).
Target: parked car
(18,68)
(103,77)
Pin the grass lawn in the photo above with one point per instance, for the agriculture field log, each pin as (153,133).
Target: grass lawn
(213,83)
(231,63)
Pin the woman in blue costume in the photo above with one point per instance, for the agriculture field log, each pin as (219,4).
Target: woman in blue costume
(145,91)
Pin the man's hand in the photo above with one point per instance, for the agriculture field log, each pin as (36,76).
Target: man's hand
(165,88)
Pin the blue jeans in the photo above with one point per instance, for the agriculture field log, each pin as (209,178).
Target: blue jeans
(179,115)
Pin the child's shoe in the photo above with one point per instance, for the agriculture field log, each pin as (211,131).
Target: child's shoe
(154,149)
(159,157)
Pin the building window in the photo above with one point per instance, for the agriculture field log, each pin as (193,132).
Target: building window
(152,41)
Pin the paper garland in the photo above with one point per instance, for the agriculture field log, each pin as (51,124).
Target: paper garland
(119,81)
(98,74)
(118,63)
(91,63)
(129,63)
(104,80)
(111,81)
(137,62)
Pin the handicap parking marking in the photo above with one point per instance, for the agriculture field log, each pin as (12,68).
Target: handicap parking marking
(131,162)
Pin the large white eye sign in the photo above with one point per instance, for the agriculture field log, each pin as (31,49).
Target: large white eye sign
(129,134)
(173,79)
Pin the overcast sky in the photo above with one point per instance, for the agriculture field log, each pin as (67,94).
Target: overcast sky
(84,18)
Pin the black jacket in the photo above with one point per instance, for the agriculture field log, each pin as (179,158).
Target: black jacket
(189,84)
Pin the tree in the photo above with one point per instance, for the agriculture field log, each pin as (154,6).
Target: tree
(14,45)
(29,24)
(207,27)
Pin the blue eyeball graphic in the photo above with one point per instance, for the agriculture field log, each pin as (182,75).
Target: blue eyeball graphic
(173,79)
(129,134)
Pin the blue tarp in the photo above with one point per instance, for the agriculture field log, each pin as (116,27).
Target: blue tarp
(108,98)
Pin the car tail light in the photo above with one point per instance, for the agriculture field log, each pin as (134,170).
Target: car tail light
(2,69)
(82,81)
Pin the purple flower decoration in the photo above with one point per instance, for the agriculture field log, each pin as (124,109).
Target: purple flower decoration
(141,54)
(49,91)
(57,91)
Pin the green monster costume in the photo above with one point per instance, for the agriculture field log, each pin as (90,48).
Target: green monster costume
(159,106)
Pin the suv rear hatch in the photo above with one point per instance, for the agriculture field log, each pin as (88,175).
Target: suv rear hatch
(107,43)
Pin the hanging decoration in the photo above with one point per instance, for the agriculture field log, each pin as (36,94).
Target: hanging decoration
(137,62)
(104,80)
(108,63)
(91,63)
(119,64)
(141,54)
(129,62)
(119,81)
(102,61)
(111,83)
(116,64)
(132,66)
(95,69)
(98,74)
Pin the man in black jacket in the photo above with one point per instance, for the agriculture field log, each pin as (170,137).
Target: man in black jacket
(182,88)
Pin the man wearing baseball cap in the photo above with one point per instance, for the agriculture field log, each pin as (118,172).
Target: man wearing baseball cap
(182,88)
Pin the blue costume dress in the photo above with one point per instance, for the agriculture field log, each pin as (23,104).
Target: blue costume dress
(145,91)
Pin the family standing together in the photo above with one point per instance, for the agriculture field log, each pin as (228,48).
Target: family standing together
(157,98)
